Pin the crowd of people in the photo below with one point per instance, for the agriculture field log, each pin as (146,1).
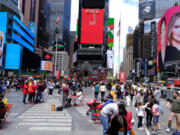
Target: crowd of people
(145,98)
(114,98)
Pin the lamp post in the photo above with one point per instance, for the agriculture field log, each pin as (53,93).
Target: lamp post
(56,31)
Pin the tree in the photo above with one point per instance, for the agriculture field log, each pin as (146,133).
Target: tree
(176,4)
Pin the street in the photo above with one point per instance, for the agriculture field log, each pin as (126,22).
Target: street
(38,119)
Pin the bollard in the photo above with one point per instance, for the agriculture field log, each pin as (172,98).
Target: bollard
(52,107)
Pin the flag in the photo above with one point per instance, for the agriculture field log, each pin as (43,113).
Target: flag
(119,28)
(57,20)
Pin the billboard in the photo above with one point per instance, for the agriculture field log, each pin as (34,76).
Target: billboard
(110,54)
(47,65)
(13,56)
(147,9)
(92,26)
(32,27)
(110,34)
(168,46)
(1,46)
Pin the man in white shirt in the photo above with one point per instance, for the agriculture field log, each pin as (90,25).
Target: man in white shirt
(106,113)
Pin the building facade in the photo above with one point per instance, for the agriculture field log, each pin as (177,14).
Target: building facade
(66,24)
(17,46)
(62,60)
(57,9)
(10,6)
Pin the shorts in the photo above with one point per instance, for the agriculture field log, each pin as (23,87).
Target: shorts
(155,119)
(177,116)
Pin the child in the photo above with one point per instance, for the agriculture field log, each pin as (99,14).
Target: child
(155,111)
(140,114)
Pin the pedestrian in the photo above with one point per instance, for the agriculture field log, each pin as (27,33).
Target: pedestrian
(118,92)
(155,112)
(30,91)
(65,90)
(51,86)
(140,114)
(106,113)
(113,91)
(103,91)
(25,91)
(148,98)
(96,90)
(175,112)
(157,95)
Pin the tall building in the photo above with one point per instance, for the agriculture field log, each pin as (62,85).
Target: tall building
(62,60)
(163,5)
(66,24)
(36,18)
(10,6)
(57,9)
(92,40)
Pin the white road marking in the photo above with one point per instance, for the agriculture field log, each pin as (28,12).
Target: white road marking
(60,124)
(47,120)
(50,128)
(44,117)
(147,131)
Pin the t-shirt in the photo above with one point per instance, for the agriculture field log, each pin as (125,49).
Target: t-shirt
(175,105)
(96,87)
(110,110)
(157,95)
(155,110)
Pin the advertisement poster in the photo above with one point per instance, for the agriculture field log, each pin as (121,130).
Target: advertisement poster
(32,27)
(110,59)
(47,66)
(147,9)
(122,77)
(92,26)
(1,46)
(168,46)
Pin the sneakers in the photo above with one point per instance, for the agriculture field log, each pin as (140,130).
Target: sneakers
(168,130)
(140,128)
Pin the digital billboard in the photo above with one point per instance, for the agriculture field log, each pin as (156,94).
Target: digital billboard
(13,56)
(147,9)
(1,46)
(47,66)
(92,26)
(168,47)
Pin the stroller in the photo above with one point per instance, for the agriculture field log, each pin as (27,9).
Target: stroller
(66,101)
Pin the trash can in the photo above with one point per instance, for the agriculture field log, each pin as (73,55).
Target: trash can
(52,107)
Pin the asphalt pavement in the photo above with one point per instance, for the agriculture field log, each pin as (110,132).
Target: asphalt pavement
(38,119)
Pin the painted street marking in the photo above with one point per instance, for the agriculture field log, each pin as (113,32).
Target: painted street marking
(50,128)
(47,120)
(60,124)
(46,114)
(44,117)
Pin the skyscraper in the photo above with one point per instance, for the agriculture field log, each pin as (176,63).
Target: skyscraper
(57,9)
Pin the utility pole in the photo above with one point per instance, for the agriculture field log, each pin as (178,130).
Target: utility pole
(56,31)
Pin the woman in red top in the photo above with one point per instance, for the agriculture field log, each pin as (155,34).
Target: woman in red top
(25,91)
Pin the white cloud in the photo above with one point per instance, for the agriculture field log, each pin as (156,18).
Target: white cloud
(129,17)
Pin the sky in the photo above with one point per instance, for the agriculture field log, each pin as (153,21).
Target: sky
(127,10)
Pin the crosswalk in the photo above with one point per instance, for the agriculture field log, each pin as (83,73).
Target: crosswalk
(41,118)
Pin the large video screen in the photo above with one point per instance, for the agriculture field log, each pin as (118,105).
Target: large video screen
(13,56)
(168,48)
(92,26)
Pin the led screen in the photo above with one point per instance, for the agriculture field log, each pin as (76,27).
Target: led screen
(92,26)
(168,48)
(13,55)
